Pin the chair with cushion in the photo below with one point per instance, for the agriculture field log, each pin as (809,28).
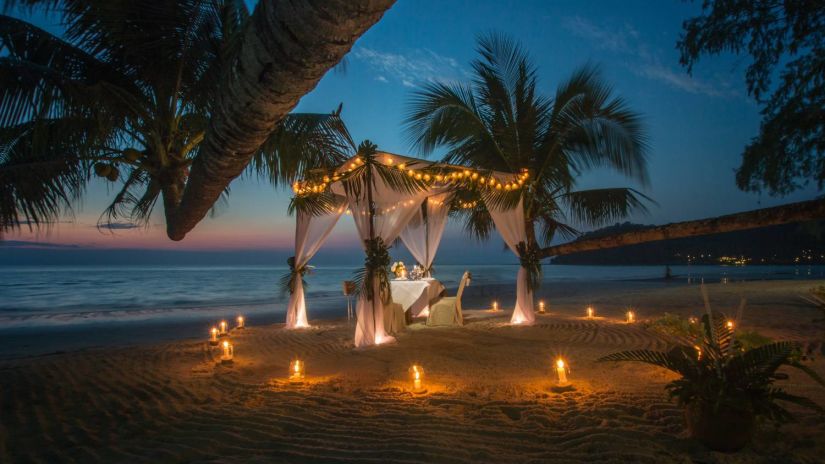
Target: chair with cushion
(447,311)
(394,317)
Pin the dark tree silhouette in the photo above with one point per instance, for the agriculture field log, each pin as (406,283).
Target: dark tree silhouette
(785,39)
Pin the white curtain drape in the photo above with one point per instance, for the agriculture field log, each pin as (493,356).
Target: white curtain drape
(393,210)
(310,233)
(421,236)
(510,224)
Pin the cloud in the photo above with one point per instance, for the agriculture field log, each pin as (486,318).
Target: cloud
(626,40)
(30,244)
(412,68)
(118,226)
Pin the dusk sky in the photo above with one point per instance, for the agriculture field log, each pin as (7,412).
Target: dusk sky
(697,126)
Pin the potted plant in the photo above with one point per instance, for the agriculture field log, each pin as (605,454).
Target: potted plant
(724,387)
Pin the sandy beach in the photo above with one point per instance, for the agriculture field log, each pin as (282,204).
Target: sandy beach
(487,391)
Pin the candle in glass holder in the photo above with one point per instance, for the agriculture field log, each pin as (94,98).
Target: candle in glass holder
(417,376)
(240,322)
(631,317)
(213,336)
(228,352)
(590,312)
(561,372)
(693,320)
(729,324)
(222,325)
(541,307)
(495,306)
(296,370)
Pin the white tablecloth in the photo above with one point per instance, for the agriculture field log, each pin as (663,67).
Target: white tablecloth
(415,295)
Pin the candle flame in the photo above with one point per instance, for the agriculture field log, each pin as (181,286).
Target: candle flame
(560,363)
(730,325)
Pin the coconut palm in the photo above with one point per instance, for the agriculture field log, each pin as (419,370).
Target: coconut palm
(127,93)
(501,122)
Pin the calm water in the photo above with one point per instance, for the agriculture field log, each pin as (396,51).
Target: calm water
(58,295)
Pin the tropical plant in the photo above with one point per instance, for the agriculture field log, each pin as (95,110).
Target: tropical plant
(501,122)
(127,93)
(723,386)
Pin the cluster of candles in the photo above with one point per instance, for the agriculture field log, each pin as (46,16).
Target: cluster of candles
(431,173)
(297,371)
(630,315)
(221,331)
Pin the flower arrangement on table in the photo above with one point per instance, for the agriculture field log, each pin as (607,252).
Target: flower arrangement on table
(399,270)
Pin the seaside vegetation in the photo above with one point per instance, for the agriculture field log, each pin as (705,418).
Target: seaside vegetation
(726,379)
(501,121)
(127,92)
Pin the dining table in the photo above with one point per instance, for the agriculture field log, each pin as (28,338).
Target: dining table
(415,296)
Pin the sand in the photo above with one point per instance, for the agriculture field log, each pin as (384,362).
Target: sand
(487,397)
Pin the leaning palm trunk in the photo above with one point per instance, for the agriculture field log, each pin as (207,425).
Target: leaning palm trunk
(794,212)
(286,48)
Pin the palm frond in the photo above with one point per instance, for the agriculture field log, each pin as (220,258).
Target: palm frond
(41,170)
(596,207)
(679,359)
(300,143)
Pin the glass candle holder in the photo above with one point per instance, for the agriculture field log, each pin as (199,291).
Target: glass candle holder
(561,372)
(213,336)
(417,377)
(296,370)
(228,355)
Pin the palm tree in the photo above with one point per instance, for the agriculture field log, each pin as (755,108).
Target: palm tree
(500,122)
(127,94)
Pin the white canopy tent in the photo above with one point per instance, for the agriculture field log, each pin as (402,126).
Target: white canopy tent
(384,211)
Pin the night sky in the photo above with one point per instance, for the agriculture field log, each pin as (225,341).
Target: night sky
(697,126)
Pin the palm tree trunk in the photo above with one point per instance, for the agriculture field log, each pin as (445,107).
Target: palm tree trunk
(286,49)
(794,212)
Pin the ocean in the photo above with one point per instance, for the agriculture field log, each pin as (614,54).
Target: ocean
(32,296)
